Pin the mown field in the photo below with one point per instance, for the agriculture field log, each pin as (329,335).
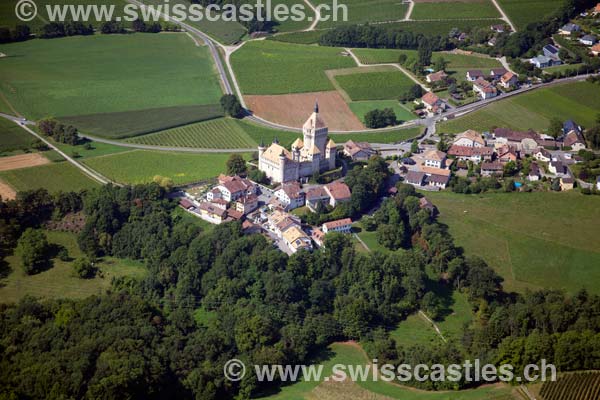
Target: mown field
(382,56)
(533,240)
(270,67)
(454,10)
(107,74)
(56,177)
(361,108)
(524,12)
(141,166)
(363,11)
(216,134)
(393,136)
(120,125)
(444,26)
(351,354)
(387,85)
(13,138)
(60,281)
(309,37)
(578,101)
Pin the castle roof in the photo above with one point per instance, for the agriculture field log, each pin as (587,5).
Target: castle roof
(331,144)
(274,151)
(298,143)
(314,122)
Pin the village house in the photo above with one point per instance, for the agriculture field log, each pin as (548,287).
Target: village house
(318,236)
(493,168)
(436,77)
(474,154)
(290,195)
(567,183)
(415,178)
(469,138)
(435,158)
(543,155)
(231,188)
(509,80)
(315,153)
(433,103)
(595,50)
(280,221)
(246,204)
(315,196)
(211,213)
(358,151)
(498,28)
(596,9)
(507,154)
(534,173)
(437,180)
(542,61)
(341,226)
(522,141)
(551,51)
(557,168)
(338,193)
(569,29)
(296,239)
(588,40)
(497,73)
(484,89)
(474,74)
(575,141)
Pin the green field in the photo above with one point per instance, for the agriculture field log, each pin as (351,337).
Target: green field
(221,133)
(454,10)
(59,281)
(375,85)
(524,12)
(533,240)
(310,37)
(383,56)
(96,149)
(13,137)
(270,67)
(365,11)
(392,136)
(107,74)
(56,177)
(141,166)
(577,101)
(350,354)
(361,108)
(443,27)
(126,124)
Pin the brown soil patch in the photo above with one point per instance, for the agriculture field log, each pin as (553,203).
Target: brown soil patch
(22,161)
(7,192)
(294,109)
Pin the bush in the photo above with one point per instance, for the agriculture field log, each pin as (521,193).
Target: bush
(380,118)
(231,106)
(32,249)
(84,268)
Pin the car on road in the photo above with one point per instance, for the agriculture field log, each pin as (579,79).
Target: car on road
(408,161)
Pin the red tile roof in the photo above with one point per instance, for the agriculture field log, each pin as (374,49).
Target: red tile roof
(430,98)
(338,223)
(339,191)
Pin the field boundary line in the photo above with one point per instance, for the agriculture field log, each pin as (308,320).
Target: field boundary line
(411,6)
(504,16)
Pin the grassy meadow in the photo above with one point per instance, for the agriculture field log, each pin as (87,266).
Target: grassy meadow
(107,74)
(221,133)
(578,101)
(56,177)
(387,85)
(270,67)
(532,240)
(392,136)
(141,166)
(309,37)
(363,11)
(361,108)
(59,280)
(444,26)
(13,138)
(524,12)
(454,10)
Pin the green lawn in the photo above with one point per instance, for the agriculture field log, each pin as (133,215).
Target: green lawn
(524,12)
(107,74)
(351,355)
(392,136)
(124,124)
(455,10)
(578,101)
(96,149)
(270,67)
(533,240)
(141,166)
(387,85)
(365,11)
(13,137)
(380,56)
(221,133)
(59,281)
(310,37)
(59,176)
(361,108)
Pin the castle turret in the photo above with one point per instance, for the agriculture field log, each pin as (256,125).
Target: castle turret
(282,159)
(261,148)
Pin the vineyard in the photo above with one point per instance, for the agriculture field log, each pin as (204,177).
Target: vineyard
(575,386)
(215,134)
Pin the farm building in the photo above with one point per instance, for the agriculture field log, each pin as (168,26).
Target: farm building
(473,75)
(314,153)
(469,138)
(290,195)
(435,158)
(569,29)
(358,151)
(484,89)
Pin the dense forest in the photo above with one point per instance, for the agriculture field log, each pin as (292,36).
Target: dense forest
(141,339)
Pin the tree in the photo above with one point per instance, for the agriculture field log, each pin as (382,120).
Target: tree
(510,168)
(375,119)
(32,248)
(84,268)
(231,106)
(236,165)
(440,64)
(414,147)
(556,128)
(424,52)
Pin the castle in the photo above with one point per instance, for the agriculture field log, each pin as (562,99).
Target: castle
(314,153)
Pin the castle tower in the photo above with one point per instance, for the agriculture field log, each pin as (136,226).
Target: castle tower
(315,132)
(282,167)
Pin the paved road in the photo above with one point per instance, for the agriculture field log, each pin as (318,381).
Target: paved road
(89,172)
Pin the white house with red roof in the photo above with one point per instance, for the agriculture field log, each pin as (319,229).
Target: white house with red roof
(341,226)
(484,89)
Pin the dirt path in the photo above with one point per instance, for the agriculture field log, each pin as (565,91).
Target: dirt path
(6,191)
(317,17)
(22,161)
(411,6)
(504,16)
(435,327)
